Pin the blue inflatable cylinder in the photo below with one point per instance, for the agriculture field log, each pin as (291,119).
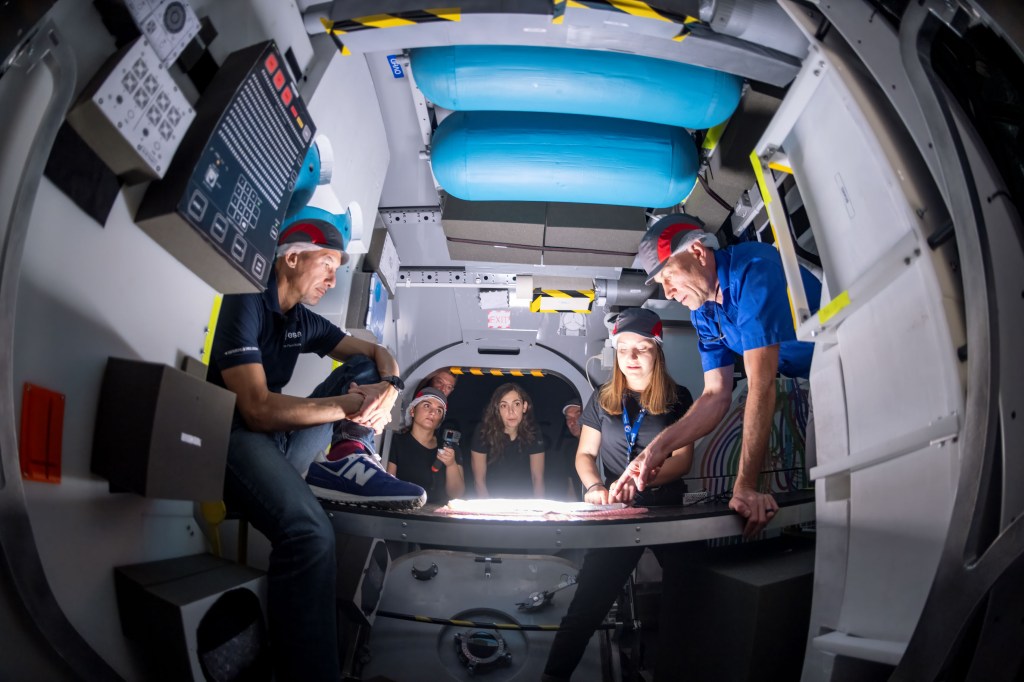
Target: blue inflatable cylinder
(569,81)
(502,156)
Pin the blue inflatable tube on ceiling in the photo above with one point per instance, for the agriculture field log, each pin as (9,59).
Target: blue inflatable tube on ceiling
(505,156)
(570,81)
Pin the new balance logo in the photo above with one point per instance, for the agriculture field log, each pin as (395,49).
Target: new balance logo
(359,472)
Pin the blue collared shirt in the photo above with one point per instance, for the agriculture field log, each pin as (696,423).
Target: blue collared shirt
(755,310)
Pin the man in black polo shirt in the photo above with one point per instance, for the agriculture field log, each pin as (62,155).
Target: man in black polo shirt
(276,439)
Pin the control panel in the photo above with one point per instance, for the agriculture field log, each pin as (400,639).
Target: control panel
(231,181)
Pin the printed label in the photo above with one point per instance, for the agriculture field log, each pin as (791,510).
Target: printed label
(499,319)
(396,68)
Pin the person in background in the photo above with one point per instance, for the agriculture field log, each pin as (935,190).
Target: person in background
(739,305)
(277,438)
(443,380)
(419,457)
(562,481)
(620,419)
(507,450)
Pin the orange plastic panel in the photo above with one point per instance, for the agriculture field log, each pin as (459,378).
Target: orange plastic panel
(42,429)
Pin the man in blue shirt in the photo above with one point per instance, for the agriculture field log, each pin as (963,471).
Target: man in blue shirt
(739,305)
(278,439)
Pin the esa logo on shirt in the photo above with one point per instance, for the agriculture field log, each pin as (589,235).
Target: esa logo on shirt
(292,339)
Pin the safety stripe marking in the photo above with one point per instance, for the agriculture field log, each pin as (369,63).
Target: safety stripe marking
(329,27)
(211,327)
(558,15)
(766,196)
(713,135)
(540,294)
(335,29)
(383,21)
(755,160)
(632,7)
(779,167)
(837,304)
(496,372)
(565,293)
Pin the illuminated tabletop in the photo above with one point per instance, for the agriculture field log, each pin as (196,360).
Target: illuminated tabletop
(657,526)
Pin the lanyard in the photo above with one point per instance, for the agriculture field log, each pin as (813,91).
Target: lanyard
(632,431)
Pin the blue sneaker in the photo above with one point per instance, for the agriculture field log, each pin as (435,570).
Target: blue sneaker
(356,477)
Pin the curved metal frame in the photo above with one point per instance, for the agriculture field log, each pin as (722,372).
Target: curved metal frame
(968,570)
(19,557)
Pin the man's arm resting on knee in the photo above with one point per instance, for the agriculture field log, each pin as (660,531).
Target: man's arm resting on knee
(702,417)
(266,411)
(378,398)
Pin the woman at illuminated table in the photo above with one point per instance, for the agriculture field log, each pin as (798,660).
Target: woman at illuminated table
(620,419)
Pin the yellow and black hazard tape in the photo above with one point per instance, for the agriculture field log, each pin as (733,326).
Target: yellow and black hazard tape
(495,372)
(631,7)
(336,29)
(545,300)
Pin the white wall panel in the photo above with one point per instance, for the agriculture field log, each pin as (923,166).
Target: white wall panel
(899,363)
(899,514)
(847,185)
(88,292)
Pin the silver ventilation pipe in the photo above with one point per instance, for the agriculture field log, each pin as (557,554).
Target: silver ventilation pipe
(762,22)
(628,291)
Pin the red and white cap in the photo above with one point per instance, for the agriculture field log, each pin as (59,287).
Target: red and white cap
(672,234)
(637,321)
(429,393)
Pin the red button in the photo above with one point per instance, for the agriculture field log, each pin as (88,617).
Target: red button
(279,80)
(271,64)
(286,96)
(295,112)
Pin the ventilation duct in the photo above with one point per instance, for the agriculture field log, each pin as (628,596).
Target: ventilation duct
(629,291)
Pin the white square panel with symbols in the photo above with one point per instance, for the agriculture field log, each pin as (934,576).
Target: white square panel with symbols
(169,25)
(132,114)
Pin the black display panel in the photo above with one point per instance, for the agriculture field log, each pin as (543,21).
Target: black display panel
(233,176)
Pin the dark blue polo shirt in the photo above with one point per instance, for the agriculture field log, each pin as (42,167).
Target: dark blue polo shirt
(755,310)
(252,329)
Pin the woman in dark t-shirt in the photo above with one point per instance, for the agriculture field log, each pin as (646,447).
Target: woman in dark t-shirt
(620,419)
(507,450)
(416,456)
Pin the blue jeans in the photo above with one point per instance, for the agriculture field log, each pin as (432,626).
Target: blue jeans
(264,482)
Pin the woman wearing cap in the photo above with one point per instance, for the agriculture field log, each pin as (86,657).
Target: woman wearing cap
(417,457)
(619,420)
(508,453)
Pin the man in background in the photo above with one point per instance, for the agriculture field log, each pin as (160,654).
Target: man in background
(562,480)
